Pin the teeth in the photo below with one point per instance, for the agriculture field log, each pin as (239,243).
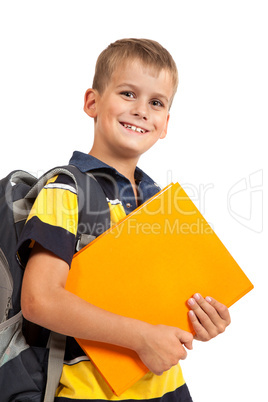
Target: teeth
(134,128)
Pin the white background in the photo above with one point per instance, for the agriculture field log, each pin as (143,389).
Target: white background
(215,146)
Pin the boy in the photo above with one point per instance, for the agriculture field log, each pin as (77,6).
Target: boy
(133,88)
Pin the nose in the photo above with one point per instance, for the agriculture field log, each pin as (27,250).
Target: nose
(141,109)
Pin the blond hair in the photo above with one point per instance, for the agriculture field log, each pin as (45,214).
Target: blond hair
(149,52)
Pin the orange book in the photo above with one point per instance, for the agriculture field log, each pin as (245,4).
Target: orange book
(146,267)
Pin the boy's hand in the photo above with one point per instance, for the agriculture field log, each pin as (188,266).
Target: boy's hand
(162,347)
(208,317)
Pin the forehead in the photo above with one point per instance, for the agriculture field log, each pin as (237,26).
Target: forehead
(137,73)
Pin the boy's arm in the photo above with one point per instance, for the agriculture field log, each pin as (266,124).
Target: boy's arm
(46,302)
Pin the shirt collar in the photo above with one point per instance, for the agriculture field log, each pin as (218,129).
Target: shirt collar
(86,163)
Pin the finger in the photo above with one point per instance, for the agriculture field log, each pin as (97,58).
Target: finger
(213,315)
(186,338)
(200,332)
(188,343)
(182,353)
(203,312)
(210,311)
(221,309)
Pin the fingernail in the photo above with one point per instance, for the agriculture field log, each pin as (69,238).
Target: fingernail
(191,313)
(191,302)
(197,296)
(208,299)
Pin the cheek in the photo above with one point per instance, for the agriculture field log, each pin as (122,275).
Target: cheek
(161,124)
(116,106)
(108,116)
(165,125)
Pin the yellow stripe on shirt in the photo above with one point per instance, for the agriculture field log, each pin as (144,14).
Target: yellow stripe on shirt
(57,206)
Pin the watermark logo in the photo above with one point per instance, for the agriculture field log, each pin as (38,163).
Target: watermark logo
(166,227)
(244,204)
(245,201)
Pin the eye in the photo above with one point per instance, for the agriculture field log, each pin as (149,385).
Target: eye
(128,94)
(157,103)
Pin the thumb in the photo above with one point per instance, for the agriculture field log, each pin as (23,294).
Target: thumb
(186,338)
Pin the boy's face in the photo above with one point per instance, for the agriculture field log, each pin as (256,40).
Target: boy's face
(133,111)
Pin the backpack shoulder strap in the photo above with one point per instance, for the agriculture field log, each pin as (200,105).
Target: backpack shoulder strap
(56,345)
(94,212)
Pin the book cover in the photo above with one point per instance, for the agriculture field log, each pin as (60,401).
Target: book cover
(146,267)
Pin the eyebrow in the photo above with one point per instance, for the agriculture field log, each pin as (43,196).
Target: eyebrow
(156,95)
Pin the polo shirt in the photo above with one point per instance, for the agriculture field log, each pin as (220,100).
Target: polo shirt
(53,223)
(114,183)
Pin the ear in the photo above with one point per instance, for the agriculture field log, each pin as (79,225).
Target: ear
(90,103)
(164,132)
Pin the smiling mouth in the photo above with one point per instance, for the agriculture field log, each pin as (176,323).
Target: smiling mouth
(134,128)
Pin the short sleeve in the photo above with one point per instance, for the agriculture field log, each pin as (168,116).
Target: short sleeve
(53,221)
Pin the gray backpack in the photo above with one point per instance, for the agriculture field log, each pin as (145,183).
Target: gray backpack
(30,371)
